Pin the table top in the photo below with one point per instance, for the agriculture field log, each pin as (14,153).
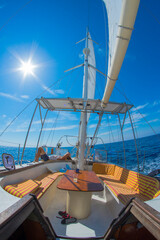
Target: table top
(87,181)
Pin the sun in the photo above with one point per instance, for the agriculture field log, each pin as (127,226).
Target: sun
(27,68)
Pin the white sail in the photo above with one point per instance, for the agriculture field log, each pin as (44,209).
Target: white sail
(91,72)
(121,18)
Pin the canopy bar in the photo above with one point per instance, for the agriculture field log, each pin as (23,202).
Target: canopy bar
(72,103)
(77,105)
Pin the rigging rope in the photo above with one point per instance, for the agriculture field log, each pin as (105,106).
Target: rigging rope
(135,128)
(3,141)
(32,102)
(118,132)
(51,131)
(69,142)
(136,133)
(68,82)
(151,13)
(123,93)
(41,138)
(88,12)
(9,142)
(72,85)
(109,131)
(10,18)
(55,124)
(137,142)
(100,96)
(105,23)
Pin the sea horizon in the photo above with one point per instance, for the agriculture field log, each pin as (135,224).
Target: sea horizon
(148,153)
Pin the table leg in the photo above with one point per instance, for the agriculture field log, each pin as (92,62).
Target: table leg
(79,204)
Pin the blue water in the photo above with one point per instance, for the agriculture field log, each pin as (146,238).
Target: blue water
(150,146)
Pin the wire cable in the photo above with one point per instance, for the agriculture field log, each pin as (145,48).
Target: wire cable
(55,124)
(151,13)
(32,102)
(10,18)
(123,93)
(105,24)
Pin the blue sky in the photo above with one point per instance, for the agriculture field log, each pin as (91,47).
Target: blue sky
(48,31)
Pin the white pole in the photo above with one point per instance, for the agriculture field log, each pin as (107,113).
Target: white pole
(134,139)
(41,131)
(122,140)
(84,113)
(95,133)
(28,134)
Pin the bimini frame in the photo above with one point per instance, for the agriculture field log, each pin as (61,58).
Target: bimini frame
(76,105)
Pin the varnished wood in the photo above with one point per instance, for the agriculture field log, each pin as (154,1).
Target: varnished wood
(87,181)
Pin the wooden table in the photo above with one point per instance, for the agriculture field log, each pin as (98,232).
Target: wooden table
(79,193)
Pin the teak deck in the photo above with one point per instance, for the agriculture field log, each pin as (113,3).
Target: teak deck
(87,181)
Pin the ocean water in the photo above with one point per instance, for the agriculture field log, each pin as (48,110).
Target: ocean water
(148,154)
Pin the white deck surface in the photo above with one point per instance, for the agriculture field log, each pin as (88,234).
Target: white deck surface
(154,203)
(95,225)
(104,206)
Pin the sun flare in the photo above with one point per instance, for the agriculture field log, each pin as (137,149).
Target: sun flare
(27,68)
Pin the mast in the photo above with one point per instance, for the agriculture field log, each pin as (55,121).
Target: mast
(83,127)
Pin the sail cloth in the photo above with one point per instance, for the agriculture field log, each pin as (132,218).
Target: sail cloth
(121,18)
(91,73)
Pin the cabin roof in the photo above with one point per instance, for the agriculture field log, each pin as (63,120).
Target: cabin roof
(77,105)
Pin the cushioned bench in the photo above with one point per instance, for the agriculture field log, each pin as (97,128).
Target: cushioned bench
(23,188)
(37,186)
(46,182)
(126,184)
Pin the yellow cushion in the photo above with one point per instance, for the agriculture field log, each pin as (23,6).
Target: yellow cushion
(46,183)
(126,184)
(109,169)
(121,190)
(156,194)
(132,179)
(102,168)
(22,189)
(106,177)
(98,168)
(118,172)
(148,186)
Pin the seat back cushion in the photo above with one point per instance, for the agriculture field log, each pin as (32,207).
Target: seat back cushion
(109,169)
(98,168)
(148,187)
(103,168)
(132,180)
(46,183)
(121,174)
